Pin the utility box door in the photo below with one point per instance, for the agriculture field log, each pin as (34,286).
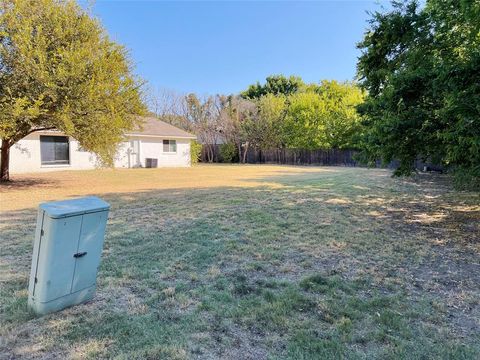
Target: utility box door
(67,249)
(90,244)
(55,270)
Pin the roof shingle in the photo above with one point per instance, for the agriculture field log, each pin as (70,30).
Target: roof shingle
(154,127)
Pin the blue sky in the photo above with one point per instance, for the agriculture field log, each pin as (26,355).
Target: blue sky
(222,47)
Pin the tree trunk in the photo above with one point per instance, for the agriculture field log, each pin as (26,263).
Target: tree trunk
(5,161)
(245,151)
(209,153)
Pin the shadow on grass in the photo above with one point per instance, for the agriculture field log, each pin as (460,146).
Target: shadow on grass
(27,183)
(316,267)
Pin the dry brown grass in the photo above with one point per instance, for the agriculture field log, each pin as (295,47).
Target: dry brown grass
(255,262)
(27,190)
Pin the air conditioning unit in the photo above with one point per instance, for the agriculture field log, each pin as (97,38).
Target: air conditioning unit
(151,163)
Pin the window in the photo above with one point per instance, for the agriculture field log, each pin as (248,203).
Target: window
(169,146)
(54,150)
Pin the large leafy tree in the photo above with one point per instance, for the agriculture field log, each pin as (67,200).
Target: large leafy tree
(276,85)
(270,120)
(294,114)
(342,121)
(59,69)
(304,125)
(323,118)
(421,67)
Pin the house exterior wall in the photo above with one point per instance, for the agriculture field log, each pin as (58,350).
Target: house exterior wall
(152,147)
(25,155)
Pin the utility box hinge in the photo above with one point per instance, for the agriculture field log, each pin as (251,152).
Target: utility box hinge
(42,232)
(36,280)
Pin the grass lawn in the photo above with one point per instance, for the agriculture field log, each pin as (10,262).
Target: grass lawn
(255,262)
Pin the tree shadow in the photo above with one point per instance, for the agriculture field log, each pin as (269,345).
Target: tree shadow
(25,183)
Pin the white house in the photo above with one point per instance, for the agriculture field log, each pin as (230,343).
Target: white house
(156,144)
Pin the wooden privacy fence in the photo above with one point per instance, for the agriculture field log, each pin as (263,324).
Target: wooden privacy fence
(292,156)
(303,157)
(329,157)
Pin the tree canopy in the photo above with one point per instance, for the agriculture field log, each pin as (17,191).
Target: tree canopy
(307,116)
(421,68)
(59,69)
(276,85)
(325,117)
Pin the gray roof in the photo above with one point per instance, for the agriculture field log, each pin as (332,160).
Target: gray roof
(154,127)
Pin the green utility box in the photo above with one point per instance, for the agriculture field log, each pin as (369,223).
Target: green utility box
(66,253)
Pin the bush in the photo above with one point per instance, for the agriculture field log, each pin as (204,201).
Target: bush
(467,178)
(195,151)
(228,152)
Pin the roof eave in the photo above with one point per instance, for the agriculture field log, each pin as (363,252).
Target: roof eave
(163,136)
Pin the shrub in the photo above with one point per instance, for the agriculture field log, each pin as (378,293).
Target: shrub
(228,152)
(467,178)
(195,151)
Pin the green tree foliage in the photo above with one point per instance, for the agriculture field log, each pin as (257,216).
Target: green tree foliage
(228,152)
(293,114)
(261,127)
(270,120)
(304,125)
(289,113)
(342,121)
(421,67)
(325,118)
(60,70)
(276,85)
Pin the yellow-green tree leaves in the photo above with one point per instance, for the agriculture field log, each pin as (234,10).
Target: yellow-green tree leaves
(60,70)
(323,117)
